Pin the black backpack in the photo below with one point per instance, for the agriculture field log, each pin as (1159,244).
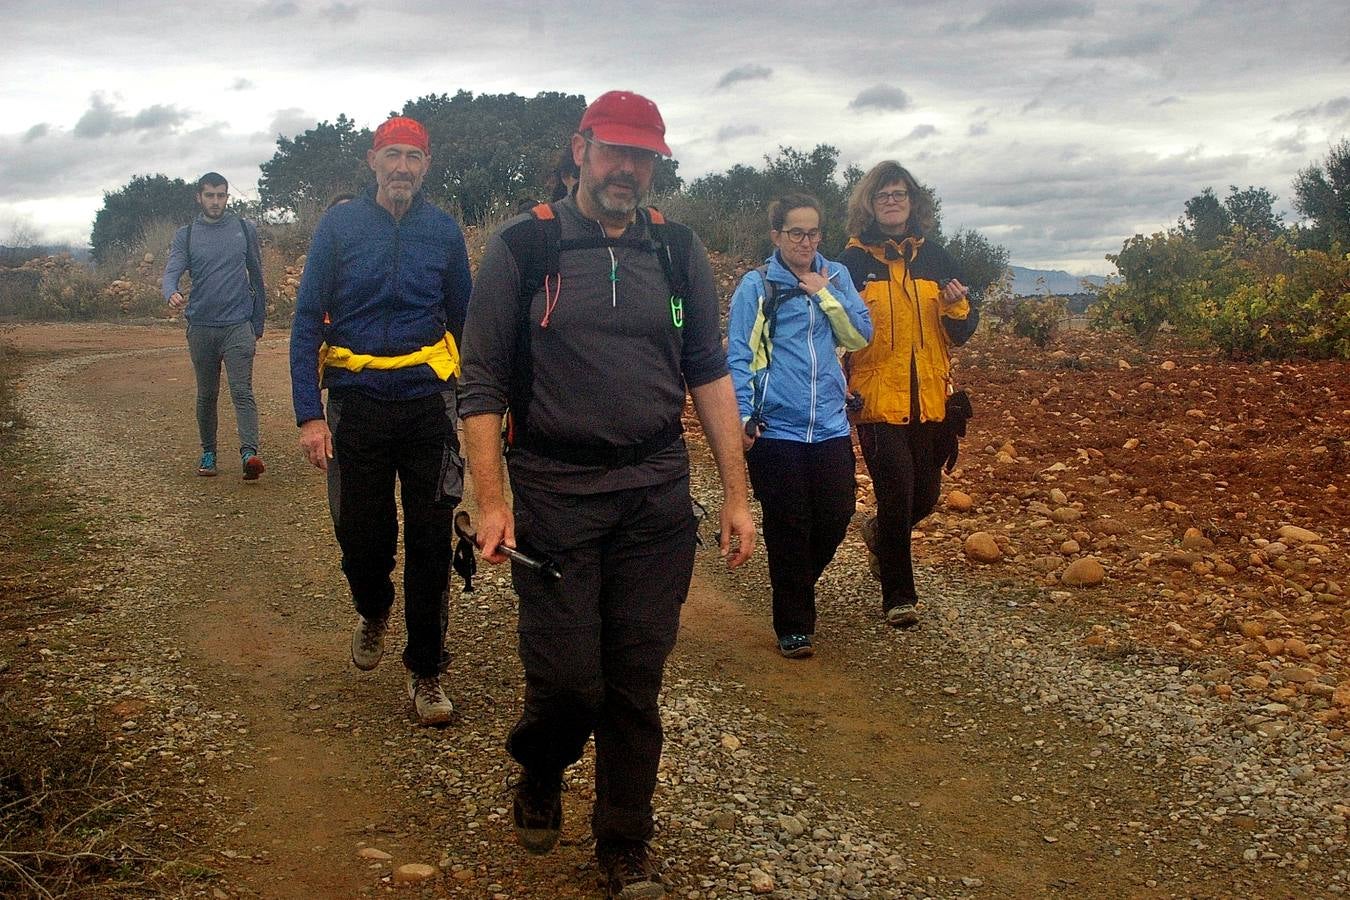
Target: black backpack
(537,245)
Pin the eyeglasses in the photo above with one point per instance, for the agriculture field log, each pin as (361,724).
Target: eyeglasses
(614,151)
(890,196)
(800,235)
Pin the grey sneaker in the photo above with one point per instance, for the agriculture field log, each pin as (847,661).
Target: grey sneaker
(902,616)
(426,693)
(368,642)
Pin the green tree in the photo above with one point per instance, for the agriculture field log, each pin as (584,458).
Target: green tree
(1253,210)
(1160,272)
(492,149)
(307,170)
(982,262)
(1322,194)
(1206,219)
(129,209)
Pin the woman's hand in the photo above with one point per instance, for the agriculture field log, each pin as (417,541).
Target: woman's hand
(953,292)
(812,282)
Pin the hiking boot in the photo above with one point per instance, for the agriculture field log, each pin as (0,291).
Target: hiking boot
(795,646)
(537,810)
(368,642)
(253,465)
(427,695)
(207,467)
(902,616)
(628,872)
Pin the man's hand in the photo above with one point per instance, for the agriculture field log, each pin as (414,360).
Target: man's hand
(316,443)
(496,526)
(736,522)
(176,300)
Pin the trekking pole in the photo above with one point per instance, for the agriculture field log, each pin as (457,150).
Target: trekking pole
(543,565)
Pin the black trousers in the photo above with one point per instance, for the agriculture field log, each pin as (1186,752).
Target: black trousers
(906,471)
(806,492)
(594,644)
(374,442)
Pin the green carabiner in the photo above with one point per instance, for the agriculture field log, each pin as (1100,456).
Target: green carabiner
(677,311)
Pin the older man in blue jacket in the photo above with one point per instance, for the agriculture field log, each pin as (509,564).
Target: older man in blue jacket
(378,321)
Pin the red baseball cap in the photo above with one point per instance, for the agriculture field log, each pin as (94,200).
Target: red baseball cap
(626,119)
(402,130)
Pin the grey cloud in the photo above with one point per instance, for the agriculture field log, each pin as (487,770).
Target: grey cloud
(747,72)
(242,84)
(881,96)
(341,12)
(1166,101)
(1296,143)
(731,132)
(977,129)
(1031,15)
(921,131)
(103,119)
(1032,105)
(39,130)
(290,122)
(157,117)
(1129,45)
(276,9)
(1330,109)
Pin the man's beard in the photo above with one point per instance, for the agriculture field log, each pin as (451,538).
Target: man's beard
(617,207)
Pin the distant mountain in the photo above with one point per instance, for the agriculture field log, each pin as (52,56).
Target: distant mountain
(1056,281)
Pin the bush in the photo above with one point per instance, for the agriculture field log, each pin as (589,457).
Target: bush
(19,293)
(1161,272)
(1038,318)
(1302,312)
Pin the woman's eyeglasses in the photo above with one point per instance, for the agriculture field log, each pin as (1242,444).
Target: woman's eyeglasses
(890,196)
(799,235)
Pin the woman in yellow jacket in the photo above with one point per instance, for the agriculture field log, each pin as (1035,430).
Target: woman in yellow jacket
(920,310)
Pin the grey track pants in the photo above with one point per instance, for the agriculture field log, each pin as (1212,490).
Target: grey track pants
(234,345)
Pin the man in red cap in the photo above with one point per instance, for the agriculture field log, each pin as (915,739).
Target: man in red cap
(391,272)
(589,318)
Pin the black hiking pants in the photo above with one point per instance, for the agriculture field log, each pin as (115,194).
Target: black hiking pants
(806,492)
(906,471)
(374,442)
(594,644)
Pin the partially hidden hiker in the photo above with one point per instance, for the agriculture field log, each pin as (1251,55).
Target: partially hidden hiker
(391,272)
(225,312)
(590,317)
(788,319)
(920,310)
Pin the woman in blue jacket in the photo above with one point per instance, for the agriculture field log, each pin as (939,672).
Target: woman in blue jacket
(788,319)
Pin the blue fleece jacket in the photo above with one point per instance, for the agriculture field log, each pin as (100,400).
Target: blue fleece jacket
(226,269)
(800,392)
(390,287)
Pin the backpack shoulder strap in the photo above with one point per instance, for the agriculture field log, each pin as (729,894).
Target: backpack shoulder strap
(187,249)
(534,244)
(674,245)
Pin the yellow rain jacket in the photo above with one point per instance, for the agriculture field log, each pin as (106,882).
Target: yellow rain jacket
(912,335)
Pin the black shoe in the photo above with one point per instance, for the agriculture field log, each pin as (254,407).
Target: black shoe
(537,811)
(628,871)
(795,646)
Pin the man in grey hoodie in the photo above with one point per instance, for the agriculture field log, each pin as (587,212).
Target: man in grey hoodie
(225,313)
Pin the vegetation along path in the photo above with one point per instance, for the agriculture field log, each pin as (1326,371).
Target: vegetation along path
(991,752)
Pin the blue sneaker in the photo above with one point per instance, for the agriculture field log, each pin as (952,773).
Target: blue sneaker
(795,646)
(253,465)
(207,467)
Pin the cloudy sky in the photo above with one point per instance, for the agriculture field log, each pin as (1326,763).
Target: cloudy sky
(1056,127)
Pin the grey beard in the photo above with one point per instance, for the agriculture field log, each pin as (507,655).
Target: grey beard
(619,208)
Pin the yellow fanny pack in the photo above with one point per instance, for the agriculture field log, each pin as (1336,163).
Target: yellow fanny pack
(442,357)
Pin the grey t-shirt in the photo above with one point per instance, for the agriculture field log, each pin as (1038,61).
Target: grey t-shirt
(610,364)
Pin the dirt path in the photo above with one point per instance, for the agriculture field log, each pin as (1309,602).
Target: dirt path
(224,640)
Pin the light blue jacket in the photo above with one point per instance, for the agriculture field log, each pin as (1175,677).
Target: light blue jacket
(785,364)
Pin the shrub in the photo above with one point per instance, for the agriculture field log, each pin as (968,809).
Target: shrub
(1302,312)
(1038,318)
(1160,274)
(19,293)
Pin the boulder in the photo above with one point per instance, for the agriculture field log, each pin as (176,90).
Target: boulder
(1085,572)
(981,547)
